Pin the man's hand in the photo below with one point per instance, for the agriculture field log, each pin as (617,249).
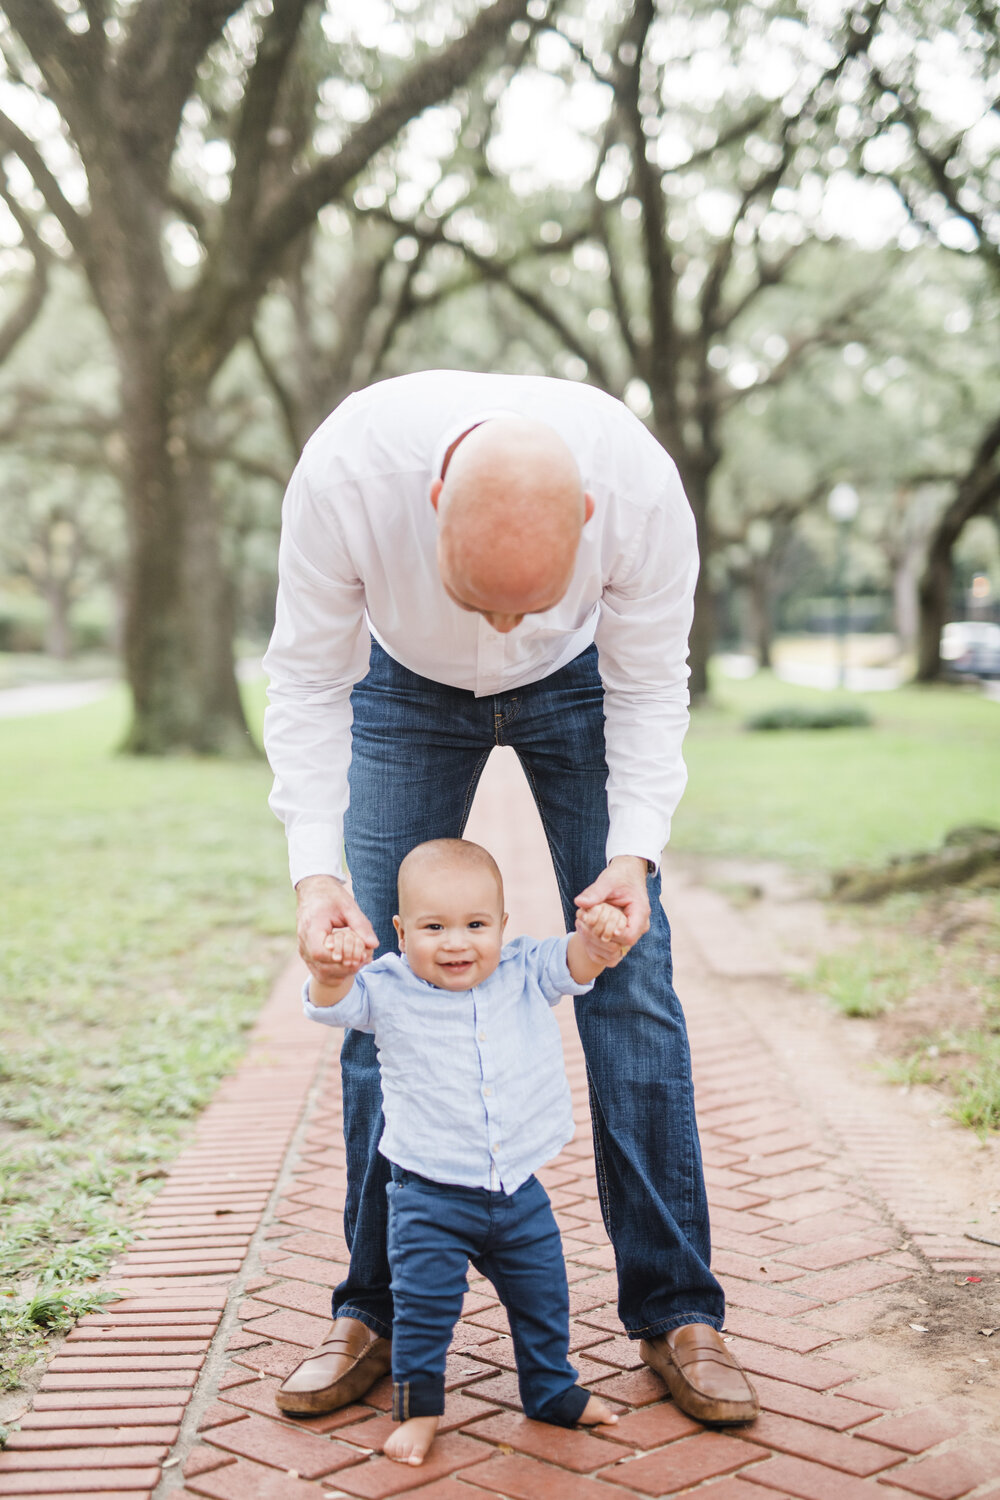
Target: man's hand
(324,906)
(601,930)
(622,884)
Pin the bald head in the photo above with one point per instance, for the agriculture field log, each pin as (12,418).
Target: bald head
(511,509)
(444,855)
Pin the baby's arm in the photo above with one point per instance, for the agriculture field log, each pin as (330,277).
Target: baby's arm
(594,946)
(346,953)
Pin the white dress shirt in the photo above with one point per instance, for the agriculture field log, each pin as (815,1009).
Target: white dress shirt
(474,1089)
(358,554)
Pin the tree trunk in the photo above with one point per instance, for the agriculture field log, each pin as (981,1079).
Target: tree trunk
(933,593)
(760,604)
(904,599)
(57,632)
(178,600)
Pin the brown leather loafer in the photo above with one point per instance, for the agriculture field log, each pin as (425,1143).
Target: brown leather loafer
(704,1377)
(339,1371)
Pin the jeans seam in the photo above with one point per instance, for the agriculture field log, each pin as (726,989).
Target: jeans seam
(604,1196)
(470,790)
(529,775)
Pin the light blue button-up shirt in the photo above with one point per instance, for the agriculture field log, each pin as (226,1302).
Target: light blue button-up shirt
(473,1084)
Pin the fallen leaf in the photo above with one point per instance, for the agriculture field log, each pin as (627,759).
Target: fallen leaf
(978,1360)
(168,1463)
(918,1328)
(987,1332)
(970,1279)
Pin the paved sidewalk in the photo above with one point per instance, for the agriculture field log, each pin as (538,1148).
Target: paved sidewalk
(171,1389)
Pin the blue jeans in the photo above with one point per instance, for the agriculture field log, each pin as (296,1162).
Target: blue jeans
(435,1230)
(419,749)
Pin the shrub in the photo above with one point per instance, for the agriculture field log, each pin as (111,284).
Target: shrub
(801,716)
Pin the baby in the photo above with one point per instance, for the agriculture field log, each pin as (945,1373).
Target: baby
(475,1099)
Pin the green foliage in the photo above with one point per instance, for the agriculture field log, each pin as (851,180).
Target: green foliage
(978,1086)
(811,716)
(865,981)
(146,906)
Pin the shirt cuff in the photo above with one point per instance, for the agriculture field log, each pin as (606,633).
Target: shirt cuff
(315,849)
(329,1015)
(634,831)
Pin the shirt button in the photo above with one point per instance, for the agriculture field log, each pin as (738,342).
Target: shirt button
(487,1090)
(482,1036)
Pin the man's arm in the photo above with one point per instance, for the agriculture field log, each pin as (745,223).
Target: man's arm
(318,650)
(642,637)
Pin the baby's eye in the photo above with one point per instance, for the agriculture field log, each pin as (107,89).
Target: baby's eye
(477,923)
(432,926)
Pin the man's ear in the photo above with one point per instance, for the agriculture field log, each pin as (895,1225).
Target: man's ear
(437,485)
(400,934)
(588,506)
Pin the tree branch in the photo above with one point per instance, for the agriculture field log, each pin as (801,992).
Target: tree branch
(283,396)
(21,318)
(73,224)
(649,190)
(428,82)
(260,98)
(157,62)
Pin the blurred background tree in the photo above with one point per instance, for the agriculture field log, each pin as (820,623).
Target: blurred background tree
(771,230)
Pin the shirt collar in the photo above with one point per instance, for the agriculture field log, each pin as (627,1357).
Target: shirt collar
(456,429)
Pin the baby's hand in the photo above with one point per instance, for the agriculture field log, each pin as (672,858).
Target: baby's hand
(600,928)
(345,952)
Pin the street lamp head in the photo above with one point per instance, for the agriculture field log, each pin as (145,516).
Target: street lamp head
(842,502)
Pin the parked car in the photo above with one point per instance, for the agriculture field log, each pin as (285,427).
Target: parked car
(972,648)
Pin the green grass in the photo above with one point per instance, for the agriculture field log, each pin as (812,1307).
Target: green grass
(866,981)
(929,763)
(146,907)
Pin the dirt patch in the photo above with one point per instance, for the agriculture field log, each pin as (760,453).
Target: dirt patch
(939,1338)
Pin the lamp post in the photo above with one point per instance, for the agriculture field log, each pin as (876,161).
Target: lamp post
(842,506)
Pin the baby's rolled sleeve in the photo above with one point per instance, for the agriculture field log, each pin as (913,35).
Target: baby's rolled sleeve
(354,1011)
(547,960)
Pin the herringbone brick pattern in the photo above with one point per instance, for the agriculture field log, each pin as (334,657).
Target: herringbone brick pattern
(171,1389)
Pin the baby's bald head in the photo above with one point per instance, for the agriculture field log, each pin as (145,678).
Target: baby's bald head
(444,856)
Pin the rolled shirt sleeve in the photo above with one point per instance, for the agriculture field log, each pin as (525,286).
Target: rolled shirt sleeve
(644,622)
(353,1011)
(319,649)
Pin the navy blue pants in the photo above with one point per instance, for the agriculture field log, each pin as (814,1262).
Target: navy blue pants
(435,1230)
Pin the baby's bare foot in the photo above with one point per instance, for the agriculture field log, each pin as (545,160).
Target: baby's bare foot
(411,1440)
(596,1411)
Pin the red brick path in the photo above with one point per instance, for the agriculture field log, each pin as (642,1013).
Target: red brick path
(171,1389)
